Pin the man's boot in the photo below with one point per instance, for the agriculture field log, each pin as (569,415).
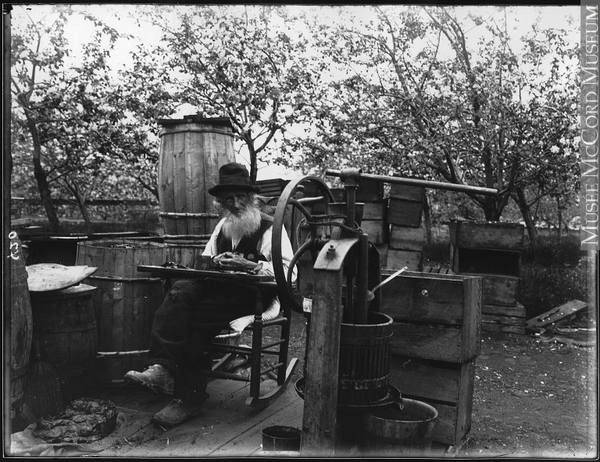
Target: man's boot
(156,377)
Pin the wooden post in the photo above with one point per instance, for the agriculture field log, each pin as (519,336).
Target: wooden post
(322,365)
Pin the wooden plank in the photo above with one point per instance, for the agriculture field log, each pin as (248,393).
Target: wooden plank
(438,343)
(454,419)
(517,310)
(500,290)
(556,314)
(485,261)
(228,428)
(369,191)
(504,320)
(397,259)
(431,298)
(374,211)
(435,380)
(383,253)
(404,213)
(487,235)
(407,238)
(376,229)
(493,327)
(407,192)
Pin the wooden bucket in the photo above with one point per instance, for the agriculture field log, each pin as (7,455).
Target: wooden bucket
(64,324)
(21,325)
(125,302)
(191,152)
(364,369)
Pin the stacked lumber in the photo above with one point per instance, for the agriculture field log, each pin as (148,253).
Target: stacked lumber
(436,340)
(492,250)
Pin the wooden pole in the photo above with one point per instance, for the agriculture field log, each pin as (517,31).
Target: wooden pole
(415,182)
(321,381)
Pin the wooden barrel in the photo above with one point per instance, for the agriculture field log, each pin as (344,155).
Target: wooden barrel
(364,368)
(185,250)
(21,325)
(64,325)
(191,152)
(125,302)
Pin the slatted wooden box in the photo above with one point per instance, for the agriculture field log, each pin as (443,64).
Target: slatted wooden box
(436,340)
(407,238)
(397,259)
(499,318)
(404,212)
(487,235)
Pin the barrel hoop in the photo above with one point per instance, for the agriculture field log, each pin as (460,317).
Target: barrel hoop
(83,327)
(188,215)
(197,130)
(362,341)
(117,279)
(105,354)
(365,384)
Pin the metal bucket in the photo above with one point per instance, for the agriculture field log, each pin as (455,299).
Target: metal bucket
(393,432)
(364,368)
(281,438)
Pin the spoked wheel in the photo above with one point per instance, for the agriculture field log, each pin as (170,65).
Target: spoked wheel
(284,213)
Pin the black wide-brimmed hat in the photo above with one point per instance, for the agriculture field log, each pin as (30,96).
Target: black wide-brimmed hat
(233,176)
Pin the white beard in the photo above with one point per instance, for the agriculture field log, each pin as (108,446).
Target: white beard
(235,227)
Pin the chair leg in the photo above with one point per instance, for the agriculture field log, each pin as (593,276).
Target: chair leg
(256,360)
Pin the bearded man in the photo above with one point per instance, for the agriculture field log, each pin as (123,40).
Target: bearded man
(195,311)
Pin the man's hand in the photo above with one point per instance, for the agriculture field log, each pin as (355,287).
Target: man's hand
(234,261)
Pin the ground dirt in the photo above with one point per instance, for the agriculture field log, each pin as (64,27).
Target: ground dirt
(533,396)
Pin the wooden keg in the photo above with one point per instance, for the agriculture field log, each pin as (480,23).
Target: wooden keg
(21,324)
(65,328)
(125,302)
(191,152)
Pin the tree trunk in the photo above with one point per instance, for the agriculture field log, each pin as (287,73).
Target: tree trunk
(526,213)
(42,181)
(86,215)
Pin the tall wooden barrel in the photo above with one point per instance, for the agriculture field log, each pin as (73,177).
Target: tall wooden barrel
(125,302)
(64,325)
(185,250)
(21,325)
(191,152)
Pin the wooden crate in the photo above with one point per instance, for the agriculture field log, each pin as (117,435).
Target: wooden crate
(383,253)
(436,340)
(502,318)
(397,259)
(500,290)
(374,210)
(487,235)
(376,229)
(273,187)
(436,316)
(404,213)
(485,261)
(369,191)
(448,387)
(407,238)
(407,192)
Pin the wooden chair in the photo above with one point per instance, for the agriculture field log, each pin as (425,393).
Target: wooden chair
(258,351)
